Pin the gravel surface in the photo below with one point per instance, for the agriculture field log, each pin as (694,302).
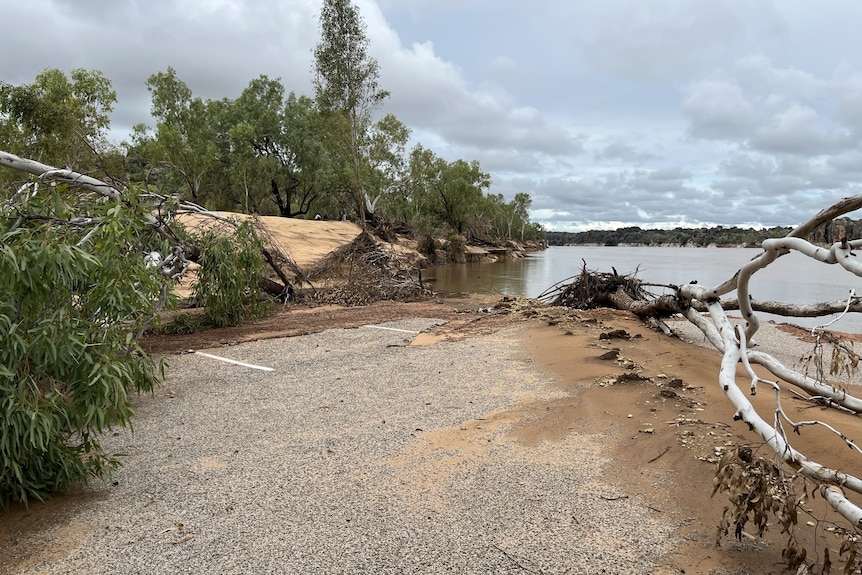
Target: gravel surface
(336,462)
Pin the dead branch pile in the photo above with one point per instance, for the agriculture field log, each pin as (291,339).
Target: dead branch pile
(279,254)
(591,289)
(362,272)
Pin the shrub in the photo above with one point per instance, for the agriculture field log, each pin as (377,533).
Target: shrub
(227,285)
(455,249)
(427,246)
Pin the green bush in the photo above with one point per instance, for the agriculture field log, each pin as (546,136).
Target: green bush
(227,285)
(73,300)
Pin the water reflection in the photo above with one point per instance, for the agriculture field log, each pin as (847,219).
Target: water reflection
(506,277)
(792,278)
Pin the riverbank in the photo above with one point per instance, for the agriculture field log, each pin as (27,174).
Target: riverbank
(458,435)
(472,434)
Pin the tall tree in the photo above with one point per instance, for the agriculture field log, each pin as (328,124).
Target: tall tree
(184,139)
(277,146)
(449,192)
(346,87)
(386,153)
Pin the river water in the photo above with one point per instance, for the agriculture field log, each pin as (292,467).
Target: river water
(792,278)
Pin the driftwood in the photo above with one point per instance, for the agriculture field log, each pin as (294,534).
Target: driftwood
(364,271)
(591,289)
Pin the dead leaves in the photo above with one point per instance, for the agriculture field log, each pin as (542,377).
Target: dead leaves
(762,493)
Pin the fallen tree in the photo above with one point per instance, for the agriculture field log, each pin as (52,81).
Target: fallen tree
(83,276)
(703,306)
(161,219)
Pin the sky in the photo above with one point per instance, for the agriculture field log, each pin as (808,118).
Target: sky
(611,113)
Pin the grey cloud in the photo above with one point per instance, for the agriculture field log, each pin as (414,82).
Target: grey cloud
(718,110)
(849,103)
(799,129)
(758,74)
(623,152)
(671,39)
(431,95)
(848,162)
(751,166)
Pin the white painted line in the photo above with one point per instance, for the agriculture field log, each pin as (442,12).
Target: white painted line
(391,329)
(235,362)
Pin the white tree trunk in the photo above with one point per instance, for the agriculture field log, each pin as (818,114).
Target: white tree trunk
(735,348)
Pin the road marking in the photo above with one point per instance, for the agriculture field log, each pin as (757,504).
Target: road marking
(392,329)
(235,362)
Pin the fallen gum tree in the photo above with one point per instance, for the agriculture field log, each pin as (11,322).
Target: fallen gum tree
(704,307)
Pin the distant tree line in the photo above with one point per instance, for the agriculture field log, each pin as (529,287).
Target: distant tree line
(829,233)
(691,237)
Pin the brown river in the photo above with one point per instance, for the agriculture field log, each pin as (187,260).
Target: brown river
(793,278)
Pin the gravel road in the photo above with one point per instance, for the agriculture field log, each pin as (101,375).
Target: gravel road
(349,457)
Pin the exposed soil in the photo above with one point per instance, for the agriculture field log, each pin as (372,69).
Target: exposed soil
(460,312)
(656,398)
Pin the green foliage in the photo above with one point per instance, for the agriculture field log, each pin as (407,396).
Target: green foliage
(73,301)
(447,193)
(278,154)
(227,284)
(183,324)
(58,120)
(346,78)
(692,237)
(184,140)
(346,90)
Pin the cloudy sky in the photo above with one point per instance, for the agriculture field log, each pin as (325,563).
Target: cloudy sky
(654,113)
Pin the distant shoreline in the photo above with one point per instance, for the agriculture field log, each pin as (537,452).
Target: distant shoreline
(642,245)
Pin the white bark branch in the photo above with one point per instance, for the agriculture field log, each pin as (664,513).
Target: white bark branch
(734,346)
(62,175)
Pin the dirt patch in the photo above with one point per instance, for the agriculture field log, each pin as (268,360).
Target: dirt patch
(671,424)
(290,321)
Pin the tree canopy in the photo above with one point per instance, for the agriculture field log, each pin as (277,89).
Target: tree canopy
(269,151)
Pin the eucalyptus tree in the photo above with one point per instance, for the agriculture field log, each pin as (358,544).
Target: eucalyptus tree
(59,119)
(346,86)
(84,277)
(447,193)
(386,163)
(183,146)
(278,149)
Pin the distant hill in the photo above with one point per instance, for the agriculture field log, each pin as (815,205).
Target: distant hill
(702,237)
